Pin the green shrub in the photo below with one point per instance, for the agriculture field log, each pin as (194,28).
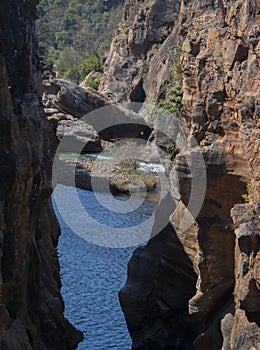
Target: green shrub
(173,101)
(72,66)
(90,64)
(52,55)
(173,96)
(93,82)
(246,196)
(67,64)
(63,38)
(177,72)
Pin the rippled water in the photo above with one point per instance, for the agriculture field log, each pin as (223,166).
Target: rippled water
(92,275)
(150,167)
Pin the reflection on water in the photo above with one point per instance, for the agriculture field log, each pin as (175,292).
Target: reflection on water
(93,275)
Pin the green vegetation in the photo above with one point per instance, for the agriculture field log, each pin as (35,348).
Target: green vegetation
(93,82)
(72,67)
(75,34)
(172,102)
(170,147)
(246,196)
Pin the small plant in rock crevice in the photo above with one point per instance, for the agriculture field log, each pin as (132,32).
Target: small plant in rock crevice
(174,92)
(246,196)
(173,101)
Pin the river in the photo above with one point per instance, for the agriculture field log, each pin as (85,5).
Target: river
(92,275)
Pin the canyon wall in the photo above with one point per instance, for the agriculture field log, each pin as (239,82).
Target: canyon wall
(199,289)
(31,307)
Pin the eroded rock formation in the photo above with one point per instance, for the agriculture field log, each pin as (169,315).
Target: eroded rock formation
(198,289)
(31,307)
(80,115)
(147,25)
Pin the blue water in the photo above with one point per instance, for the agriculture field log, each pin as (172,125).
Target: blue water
(92,276)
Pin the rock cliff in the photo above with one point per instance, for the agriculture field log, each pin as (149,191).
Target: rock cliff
(198,289)
(31,307)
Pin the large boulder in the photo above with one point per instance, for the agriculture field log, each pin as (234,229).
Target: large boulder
(77,100)
(86,116)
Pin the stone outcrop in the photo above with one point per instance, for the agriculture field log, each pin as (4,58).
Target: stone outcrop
(31,307)
(147,25)
(73,99)
(245,331)
(108,176)
(69,106)
(198,289)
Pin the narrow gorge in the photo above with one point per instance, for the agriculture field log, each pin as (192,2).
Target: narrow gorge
(198,62)
(31,311)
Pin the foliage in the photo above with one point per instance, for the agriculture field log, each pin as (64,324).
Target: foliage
(173,97)
(90,64)
(81,27)
(170,147)
(246,196)
(177,72)
(68,63)
(71,66)
(173,101)
(93,82)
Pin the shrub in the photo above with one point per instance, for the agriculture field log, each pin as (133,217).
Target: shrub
(93,82)
(173,101)
(246,196)
(63,38)
(173,97)
(70,65)
(177,72)
(90,64)
(67,64)
(52,55)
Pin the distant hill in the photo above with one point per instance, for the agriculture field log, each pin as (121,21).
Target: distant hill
(75,34)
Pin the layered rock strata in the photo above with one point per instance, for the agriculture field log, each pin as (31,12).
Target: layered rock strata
(147,25)
(31,307)
(198,289)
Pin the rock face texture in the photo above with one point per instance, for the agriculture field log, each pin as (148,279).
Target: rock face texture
(69,108)
(31,307)
(198,289)
(147,25)
(73,99)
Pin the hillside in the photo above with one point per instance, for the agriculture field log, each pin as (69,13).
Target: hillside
(76,34)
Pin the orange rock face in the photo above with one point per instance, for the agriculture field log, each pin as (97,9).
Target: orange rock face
(211,270)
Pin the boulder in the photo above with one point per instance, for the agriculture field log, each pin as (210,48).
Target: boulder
(76,100)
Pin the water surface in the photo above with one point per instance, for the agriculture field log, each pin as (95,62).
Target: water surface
(92,276)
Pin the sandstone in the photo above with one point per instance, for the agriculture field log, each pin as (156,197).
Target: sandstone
(31,306)
(77,100)
(147,24)
(218,45)
(85,117)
